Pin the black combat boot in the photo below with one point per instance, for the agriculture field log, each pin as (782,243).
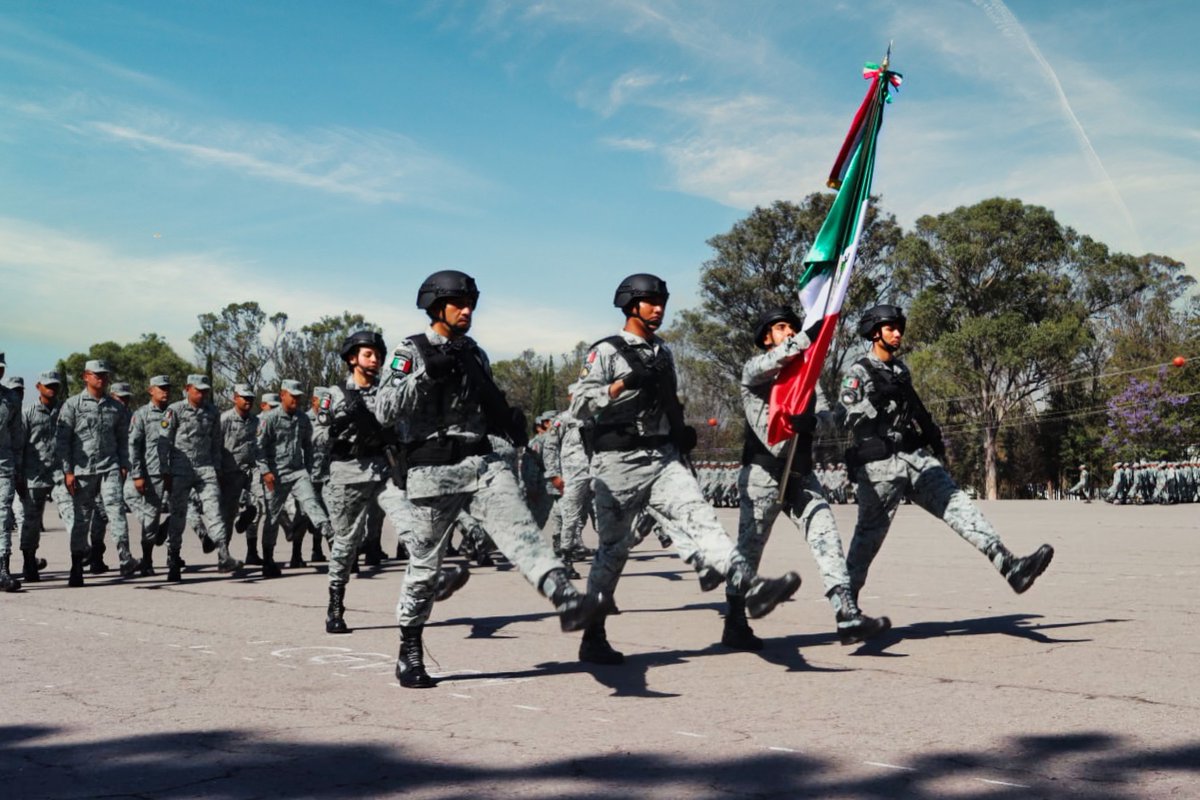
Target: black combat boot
(269,568)
(853,626)
(33,565)
(207,545)
(225,560)
(318,553)
(8,582)
(569,568)
(164,529)
(174,568)
(96,564)
(737,634)
(373,554)
(147,568)
(576,610)
(763,594)
(76,576)
(335,617)
(1021,572)
(709,577)
(450,580)
(245,519)
(410,664)
(595,649)
(253,559)
(297,561)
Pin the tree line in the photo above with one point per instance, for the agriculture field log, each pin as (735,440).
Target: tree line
(1038,348)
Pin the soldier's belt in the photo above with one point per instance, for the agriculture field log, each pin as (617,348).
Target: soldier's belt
(609,438)
(436,452)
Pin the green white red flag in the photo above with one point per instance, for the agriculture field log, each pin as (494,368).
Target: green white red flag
(830,260)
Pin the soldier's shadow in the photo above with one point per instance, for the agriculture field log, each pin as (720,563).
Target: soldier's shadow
(1022,626)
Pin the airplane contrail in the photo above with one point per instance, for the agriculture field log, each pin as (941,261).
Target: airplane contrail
(1010,26)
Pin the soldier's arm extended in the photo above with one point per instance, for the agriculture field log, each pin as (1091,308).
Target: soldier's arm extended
(765,368)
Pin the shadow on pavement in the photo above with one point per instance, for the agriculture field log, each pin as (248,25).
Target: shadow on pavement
(1018,625)
(247,763)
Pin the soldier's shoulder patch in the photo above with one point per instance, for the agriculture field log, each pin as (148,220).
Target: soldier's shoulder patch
(851,382)
(326,402)
(591,357)
(401,364)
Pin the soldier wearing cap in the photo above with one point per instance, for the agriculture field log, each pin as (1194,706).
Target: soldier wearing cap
(93,448)
(144,488)
(320,477)
(43,479)
(239,465)
(189,452)
(439,399)
(12,475)
(628,388)
(285,459)
(576,500)
(1083,487)
(897,453)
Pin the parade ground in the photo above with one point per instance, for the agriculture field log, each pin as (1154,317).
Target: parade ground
(1086,686)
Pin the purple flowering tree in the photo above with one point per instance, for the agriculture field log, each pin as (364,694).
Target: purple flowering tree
(1148,420)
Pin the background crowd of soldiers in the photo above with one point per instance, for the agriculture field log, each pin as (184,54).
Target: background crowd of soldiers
(719,482)
(1162,482)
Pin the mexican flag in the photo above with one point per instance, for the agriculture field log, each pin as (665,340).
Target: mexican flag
(830,260)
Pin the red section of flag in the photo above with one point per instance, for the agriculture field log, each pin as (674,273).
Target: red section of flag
(853,137)
(796,383)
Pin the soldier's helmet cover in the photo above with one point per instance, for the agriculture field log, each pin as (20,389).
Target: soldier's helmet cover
(372,339)
(876,317)
(444,284)
(638,287)
(768,318)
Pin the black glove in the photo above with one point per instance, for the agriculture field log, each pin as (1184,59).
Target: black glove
(814,330)
(803,423)
(440,366)
(641,379)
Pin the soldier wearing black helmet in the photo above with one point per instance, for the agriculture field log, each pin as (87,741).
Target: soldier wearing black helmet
(439,397)
(628,388)
(763,467)
(896,453)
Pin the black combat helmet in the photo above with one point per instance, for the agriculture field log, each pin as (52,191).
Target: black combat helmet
(639,287)
(444,284)
(875,318)
(363,339)
(769,318)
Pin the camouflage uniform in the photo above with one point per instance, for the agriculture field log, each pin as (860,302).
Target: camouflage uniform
(648,472)
(42,472)
(285,449)
(805,504)
(144,430)
(12,448)
(896,462)
(239,461)
(577,494)
(93,444)
(452,467)
(189,451)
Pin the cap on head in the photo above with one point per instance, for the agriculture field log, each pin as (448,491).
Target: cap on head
(444,284)
(638,287)
(768,318)
(878,316)
(243,390)
(370,339)
(97,365)
(271,399)
(15,382)
(161,382)
(50,377)
(122,389)
(294,388)
(198,381)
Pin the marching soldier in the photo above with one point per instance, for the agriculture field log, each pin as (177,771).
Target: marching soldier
(189,452)
(12,475)
(42,479)
(144,490)
(896,454)
(439,396)
(285,460)
(628,388)
(239,462)
(93,448)
(763,468)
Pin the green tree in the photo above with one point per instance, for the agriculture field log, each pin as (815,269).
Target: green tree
(136,363)
(1003,303)
(312,355)
(238,343)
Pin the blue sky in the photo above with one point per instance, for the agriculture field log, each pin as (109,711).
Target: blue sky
(160,160)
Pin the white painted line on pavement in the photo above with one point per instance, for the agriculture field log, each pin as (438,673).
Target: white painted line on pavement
(783,749)
(197,647)
(461,696)
(341,675)
(889,766)
(260,641)
(43,624)
(248,658)
(693,735)
(1004,783)
(176,646)
(601,719)
(529,708)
